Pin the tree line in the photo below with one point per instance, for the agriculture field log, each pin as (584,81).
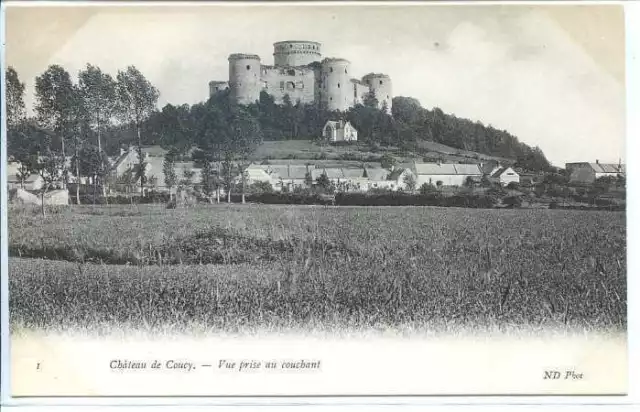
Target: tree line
(91,118)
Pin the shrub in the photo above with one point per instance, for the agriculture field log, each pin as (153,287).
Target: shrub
(512,201)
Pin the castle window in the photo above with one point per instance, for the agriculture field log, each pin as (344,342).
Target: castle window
(380,81)
(331,69)
(248,67)
(338,85)
(387,96)
(345,71)
(291,72)
(330,98)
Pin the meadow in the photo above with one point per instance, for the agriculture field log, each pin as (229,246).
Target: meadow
(243,268)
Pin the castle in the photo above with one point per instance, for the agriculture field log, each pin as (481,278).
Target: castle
(300,72)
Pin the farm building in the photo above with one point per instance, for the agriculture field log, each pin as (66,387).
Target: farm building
(583,172)
(53,197)
(504,176)
(448,174)
(379,178)
(33,182)
(396,179)
(127,162)
(345,179)
(339,131)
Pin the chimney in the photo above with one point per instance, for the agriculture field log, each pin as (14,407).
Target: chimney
(597,161)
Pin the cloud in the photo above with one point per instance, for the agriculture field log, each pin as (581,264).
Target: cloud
(514,67)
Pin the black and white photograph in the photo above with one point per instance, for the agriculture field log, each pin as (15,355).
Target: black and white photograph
(251,199)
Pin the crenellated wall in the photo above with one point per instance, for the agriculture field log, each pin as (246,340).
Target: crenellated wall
(296,53)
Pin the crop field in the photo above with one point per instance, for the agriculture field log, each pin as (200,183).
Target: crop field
(243,268)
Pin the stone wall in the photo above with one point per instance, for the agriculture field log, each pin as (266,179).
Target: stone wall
(298,83)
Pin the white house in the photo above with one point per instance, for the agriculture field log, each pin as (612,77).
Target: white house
(504,176)
(339,131)
(448,174)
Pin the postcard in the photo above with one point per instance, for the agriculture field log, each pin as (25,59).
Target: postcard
(229,200)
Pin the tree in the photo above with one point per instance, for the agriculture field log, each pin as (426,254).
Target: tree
(187,177)
(98,91)
(210,181)
(169,171)
(387,161)
(137,98)
(410,182)
(324,183)
(14,99)
(92,162)
(427,187)
(78,126)
(55,100)
(50,166)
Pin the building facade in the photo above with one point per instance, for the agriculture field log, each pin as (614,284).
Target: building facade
(585,172)
(339,131)
(300,72)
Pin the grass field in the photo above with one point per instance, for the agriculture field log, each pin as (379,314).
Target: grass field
(241,268)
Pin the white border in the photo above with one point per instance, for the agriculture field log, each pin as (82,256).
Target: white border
(632,24)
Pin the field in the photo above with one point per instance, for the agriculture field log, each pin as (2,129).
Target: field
(243,268)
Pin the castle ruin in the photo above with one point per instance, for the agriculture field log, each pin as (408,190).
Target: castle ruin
(300,72)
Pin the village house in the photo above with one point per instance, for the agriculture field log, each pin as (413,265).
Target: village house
(584,172)
(339,131)
(504,175)
(444,174)
(378,178)
(32,182)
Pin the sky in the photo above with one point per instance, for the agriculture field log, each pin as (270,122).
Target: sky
(551,75)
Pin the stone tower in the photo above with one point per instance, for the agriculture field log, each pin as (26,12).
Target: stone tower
(217,86)
(336,91)
(296,53)
(380,85)
(244,78)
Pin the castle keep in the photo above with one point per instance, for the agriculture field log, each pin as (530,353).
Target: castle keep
(300,72)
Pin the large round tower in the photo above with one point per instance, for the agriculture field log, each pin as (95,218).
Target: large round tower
(296,52)
(380,85)
(336,90)
(244,78)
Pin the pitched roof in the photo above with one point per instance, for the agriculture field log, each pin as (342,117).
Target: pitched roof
(337,124)
(498,171)
(13,178)
(446,169)
(353,173)
(607,168)
(395,174)
(468,169)
(377,173)
(285,171)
